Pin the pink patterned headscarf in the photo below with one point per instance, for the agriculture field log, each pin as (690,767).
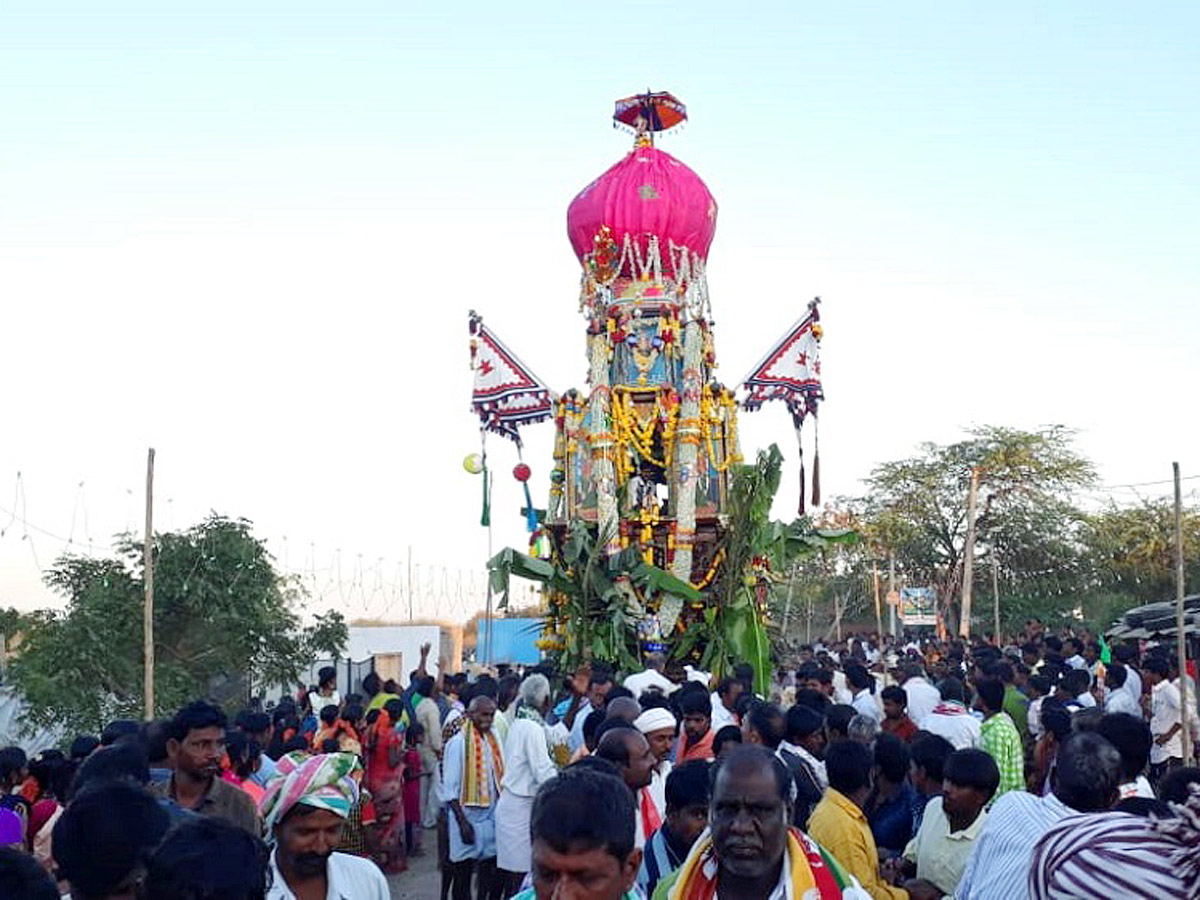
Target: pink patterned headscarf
(325,781)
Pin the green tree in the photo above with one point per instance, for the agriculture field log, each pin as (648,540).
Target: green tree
(1131,554)
(828,589)
(916,508)
(328,636)
(223,619)
(759,553)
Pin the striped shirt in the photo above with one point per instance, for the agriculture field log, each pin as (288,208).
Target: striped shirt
(1000,738)
(659,859)
(998,867)
(1110,855)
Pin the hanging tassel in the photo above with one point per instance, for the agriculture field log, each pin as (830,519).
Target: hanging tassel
(485,517)
(800,449)
(531,520)
(816,481)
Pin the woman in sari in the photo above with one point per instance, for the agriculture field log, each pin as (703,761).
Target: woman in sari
(385,780)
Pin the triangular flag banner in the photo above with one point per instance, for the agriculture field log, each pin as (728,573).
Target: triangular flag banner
(506,394)
(791,371)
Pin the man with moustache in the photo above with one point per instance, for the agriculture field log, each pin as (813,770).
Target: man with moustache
(472,772)
(305,812)
(628,750)
(195,745)
(583,857)
(750,851)
(660,728)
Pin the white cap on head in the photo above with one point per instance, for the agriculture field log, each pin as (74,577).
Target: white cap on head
(655,719)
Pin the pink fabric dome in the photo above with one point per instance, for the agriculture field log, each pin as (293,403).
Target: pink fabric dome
(648,192)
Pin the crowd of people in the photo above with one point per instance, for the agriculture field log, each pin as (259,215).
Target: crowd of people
(1048,767)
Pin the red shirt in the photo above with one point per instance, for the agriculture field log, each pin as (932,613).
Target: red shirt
(412,785)
(702,749)
(903,728)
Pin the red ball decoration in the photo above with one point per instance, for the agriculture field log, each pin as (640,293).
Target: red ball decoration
(521,472)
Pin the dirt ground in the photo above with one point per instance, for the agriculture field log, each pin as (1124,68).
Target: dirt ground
(422,881)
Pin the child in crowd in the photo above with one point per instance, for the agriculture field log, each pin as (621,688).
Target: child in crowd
(412,788)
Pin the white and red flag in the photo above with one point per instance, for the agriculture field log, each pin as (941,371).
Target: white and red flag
(791,372)
(506,394)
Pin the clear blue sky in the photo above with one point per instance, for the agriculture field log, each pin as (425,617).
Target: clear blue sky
(249,233)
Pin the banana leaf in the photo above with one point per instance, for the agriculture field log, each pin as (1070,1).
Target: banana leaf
(509,562)
(748,640)
(651,577)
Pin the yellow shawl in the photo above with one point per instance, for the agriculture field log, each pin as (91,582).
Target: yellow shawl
(476,785)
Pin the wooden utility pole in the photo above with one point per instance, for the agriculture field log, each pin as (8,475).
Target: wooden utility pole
(787,605)
(892,592)
(1180,632)
(968,569)
(878,612)
(996,595)
(148,580)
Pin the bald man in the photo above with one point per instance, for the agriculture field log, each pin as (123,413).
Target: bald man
(471,801)
(629,751)
(623,708)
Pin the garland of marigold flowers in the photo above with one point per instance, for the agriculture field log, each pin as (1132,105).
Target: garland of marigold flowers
(640,436)
(711,422)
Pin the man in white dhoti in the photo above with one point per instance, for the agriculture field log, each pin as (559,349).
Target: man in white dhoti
(527,766)
(472,770)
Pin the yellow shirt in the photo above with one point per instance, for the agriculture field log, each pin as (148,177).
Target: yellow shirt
(841,828)
(380,699)
(941,854)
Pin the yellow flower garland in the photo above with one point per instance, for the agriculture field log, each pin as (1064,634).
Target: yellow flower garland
(712,423)
(630,432)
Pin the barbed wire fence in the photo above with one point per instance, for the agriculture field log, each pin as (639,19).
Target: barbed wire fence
(415,585)
(362,586)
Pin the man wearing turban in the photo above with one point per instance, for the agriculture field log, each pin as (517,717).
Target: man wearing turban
(660,728)
(305,809)
(1115,854)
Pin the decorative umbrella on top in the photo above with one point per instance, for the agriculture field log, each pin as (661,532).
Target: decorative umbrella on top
(650,111)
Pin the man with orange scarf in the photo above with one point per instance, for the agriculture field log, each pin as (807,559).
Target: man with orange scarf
(750,851)
(472,769)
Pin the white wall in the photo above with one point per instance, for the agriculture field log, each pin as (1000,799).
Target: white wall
(370,640)
(12,726)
